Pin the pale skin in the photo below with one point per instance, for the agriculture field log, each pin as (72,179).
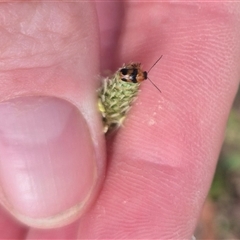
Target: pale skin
(161,162)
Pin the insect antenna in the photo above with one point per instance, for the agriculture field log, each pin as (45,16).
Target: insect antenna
(150,70)
(154,64)
(154,84)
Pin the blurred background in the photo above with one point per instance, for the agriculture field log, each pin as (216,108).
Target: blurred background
(220,218)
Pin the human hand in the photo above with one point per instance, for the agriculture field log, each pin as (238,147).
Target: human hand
(160,163)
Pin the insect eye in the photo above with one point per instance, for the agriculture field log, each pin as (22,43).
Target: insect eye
(145,75)
(124,71)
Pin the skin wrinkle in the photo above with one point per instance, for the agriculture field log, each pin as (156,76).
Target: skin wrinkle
(136,196)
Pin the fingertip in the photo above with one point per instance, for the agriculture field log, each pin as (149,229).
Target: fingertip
(48,162)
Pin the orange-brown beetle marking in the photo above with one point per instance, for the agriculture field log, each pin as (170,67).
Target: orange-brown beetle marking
(133,73)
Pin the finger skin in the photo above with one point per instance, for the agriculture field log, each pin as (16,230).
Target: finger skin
(110,31)
(10,228)
(161,162)
(51,49)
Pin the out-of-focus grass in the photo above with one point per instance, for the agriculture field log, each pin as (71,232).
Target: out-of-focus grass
(229,160)
(223,217)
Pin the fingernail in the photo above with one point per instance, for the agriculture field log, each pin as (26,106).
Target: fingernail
(47,163)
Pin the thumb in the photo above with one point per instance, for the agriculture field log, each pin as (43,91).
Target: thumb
(47,161)
(51,150)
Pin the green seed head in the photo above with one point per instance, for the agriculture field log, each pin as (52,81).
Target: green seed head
(114,100)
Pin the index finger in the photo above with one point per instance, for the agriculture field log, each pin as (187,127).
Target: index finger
(162,161)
